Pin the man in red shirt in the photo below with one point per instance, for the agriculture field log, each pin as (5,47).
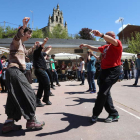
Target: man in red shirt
(110,65)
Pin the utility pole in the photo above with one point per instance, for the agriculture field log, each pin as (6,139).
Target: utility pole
(4,26)
(121,20)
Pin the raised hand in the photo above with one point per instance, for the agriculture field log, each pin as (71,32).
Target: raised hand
(96,33)
(82,45)
(46,39)
(49,47)
(25,22)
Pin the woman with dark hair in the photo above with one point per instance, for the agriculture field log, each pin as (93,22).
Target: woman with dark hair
(126,69)
(82,70)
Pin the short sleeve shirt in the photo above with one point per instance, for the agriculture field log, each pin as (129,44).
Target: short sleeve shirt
(111,55)
(80,69)
(53,65)
(91,64)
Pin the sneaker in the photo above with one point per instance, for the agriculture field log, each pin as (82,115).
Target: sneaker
(81,84)
(88,90)
(51,94)
(47,102)
(110,119)
(53,88)
(94,119)
(134,84)
(34,124)
(10,126)
(58,85)
(38,103)
(93,92)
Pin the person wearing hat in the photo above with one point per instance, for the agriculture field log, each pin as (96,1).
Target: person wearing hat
(53,70)
(91,61)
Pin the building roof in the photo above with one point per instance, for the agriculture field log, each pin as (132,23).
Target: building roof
(130,29)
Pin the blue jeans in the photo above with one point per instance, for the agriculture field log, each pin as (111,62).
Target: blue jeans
(78,74)
(55,75)
(127,74)
(82,76)
(137,76)
(91,82)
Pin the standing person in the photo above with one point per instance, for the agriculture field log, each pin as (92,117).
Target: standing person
(63,70)
(28,72)
(91,60)
(69,70)
(39,64)
(53,70)
(21,100)
(126,67)
(137,63)
(110,65)
(78,72)
(82,70)
(132,67)
(3,77)
(48,70)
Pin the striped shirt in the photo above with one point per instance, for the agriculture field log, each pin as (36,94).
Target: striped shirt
(18,52)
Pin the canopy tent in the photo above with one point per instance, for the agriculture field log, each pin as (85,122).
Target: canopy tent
(128,55)
(3,50)
(66,56)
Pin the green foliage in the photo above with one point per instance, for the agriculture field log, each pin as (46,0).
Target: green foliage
(37,33)
(101,39)
(59,32)
(77,36)
(134,43)
(1,31)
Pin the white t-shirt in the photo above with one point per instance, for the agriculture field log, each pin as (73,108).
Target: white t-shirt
(80,69)
(69,68)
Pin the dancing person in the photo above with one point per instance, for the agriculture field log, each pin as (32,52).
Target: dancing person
(39,64)
(21,100)
(110,65)
(91,60)
(82,70)
(53,70)
(48,70)
(28,73)
(137,64)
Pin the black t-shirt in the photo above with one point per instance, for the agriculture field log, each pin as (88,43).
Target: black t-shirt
(38,59)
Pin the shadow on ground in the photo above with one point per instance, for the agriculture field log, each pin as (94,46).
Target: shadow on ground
(72,85)
(21,132)
(77,93)
(81,101)
(75,121)
(131,85)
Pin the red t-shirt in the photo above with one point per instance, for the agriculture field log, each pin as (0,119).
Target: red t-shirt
(111,55)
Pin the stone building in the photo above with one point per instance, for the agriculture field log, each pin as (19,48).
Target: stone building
(55,19)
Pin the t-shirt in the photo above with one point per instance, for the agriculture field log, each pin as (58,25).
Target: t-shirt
(111,55)
(28,66)
(80,69)
(69,68)
(63,67)
(38,59)
(48,64)
(53,65)
(91,64)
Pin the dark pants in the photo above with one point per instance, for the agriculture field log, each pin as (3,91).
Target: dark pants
(78,74)
(55,75)
(50,76)
(91,82)
(82,76)
(63,76)
(137,76)
(21,100)
(108,77)
(44,84)
(127,74)
(3,84)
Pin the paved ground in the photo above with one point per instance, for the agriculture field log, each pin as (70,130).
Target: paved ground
(68,118)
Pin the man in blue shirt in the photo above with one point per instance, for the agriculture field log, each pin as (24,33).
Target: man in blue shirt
(91,60)
(137,62)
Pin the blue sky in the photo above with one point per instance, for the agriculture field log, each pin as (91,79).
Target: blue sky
(100,14)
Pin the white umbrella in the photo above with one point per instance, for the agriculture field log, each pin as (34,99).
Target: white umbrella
(66,56)
(128,55)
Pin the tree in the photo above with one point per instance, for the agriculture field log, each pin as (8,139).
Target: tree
(101,39)
(59,32)
(134,43)
(37,33)
(1,31)
(84,34)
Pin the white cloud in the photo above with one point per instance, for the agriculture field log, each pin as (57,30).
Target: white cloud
(120,29)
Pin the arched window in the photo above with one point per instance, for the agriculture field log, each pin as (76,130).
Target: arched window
(56,19)
(60,20)
(58,13)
